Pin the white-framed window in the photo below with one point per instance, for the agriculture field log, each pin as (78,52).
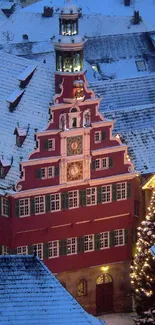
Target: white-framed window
(53,249)
(24,207)
(5,207)
(91,196)
(97,164)
(51,144)
(50,172)
(39,204)
(22,250)
(119,237)
(97,137)
(105,163)
(5,250)
(39,250)
(73,199)
(43,173)
(71,246)
(121,191)
(106,193)
(55,202)
(88,243)
(104,239)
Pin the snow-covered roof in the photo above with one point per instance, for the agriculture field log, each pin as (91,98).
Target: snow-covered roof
(32,108)
(30,294)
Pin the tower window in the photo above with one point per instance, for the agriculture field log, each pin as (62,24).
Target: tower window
(74,122)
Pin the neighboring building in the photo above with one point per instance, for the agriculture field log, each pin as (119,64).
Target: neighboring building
(30,294)
(73,200)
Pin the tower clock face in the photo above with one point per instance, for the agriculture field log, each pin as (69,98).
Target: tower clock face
(74,171)
(74,145)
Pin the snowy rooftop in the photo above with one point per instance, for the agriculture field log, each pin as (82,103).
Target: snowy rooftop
(30,294)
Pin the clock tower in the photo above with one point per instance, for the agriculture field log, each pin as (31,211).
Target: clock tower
(77,188)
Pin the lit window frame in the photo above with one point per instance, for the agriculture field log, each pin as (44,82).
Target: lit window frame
(89,196)
(104,237)
(72,246)
(121,191)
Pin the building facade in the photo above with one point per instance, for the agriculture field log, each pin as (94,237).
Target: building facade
(74,201)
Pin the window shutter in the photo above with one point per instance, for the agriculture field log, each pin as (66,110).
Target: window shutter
(126,235)
(62,247)
(99,195)
(9,208)
(45,144)
(38,173)
(45,250)
(14,251)
(97,241)
(0,205)
(30,250)
(32,207)
(128,189)
(82,194)
(56,171)
(134,235)
(48,203)
(17,208)
(64,200)
(0,249)
(114,192)
(80,244)
(103,135)
(112,238)
(93,165)
(111,163)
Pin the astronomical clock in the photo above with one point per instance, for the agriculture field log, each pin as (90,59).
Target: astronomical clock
(74,146)
(74,171)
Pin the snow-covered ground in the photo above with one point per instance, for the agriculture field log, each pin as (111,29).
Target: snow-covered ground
(119,319)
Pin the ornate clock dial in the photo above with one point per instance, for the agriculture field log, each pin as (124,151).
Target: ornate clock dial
(74,171)
(74,145)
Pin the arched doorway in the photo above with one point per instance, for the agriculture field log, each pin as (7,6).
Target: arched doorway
(104,294)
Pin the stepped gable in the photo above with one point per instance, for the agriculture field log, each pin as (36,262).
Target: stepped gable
(30,294)
(32,109)
(125,93)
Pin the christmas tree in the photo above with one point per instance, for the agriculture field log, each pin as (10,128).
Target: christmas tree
(143,266)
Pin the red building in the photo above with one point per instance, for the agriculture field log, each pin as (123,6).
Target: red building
(74,200)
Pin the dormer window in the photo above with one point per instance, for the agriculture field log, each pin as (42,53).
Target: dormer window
(5,165)
(21,134)
(2,172)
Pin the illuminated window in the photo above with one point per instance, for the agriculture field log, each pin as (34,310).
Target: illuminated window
(82,288)
(104,278)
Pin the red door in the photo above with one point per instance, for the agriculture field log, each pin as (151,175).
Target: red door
(104,297)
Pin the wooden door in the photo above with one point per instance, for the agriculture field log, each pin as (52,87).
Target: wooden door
(104,297)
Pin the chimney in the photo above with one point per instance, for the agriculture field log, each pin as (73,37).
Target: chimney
(48,12)
(136,18)
(127,2)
